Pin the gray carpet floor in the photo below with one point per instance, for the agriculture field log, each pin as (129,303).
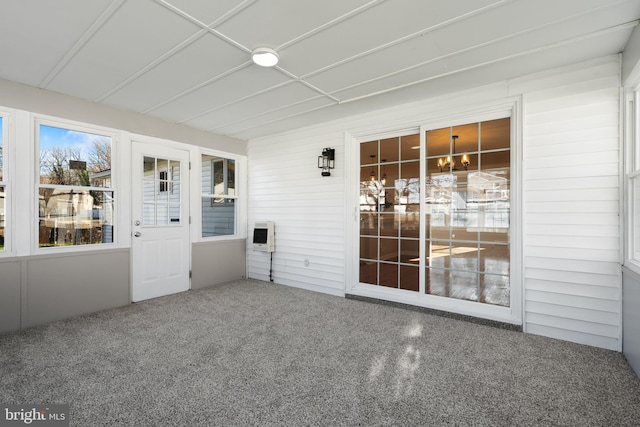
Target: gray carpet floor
(251,353)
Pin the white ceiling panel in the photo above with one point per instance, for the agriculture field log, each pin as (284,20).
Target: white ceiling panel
(240,84)
(188,61)
(571,32)
(35,37)
(278,98)
(477,49)
(561,54)
(280,21)
(207,12)
(524,17)
(417,74)
(380,25)
(252,125)
(466,38)
(137,34)
(208,57)
(380,63)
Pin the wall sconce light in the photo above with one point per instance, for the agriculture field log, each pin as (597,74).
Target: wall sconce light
(326,161)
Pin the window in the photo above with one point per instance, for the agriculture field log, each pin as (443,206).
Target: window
(219,196)
(632,137)
(75,193)
(3,202)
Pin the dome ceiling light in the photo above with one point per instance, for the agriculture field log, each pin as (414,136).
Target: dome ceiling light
(265,57)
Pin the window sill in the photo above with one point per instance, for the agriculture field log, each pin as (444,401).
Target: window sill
(632,265)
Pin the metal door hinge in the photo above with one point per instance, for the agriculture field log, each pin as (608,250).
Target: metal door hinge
(190,274)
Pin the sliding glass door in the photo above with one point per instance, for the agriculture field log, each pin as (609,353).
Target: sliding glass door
(467,211)
(435,219)
(390,212)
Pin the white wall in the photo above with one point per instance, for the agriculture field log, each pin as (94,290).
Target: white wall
(631,323)
(285,186)
(631,57)
(572,203)
(22,97)
(570,276)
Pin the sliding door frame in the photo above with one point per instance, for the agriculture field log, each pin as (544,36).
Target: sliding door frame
(512,314)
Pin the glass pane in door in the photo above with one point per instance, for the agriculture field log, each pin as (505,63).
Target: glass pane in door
(467,212)
(161,192)
(390,212)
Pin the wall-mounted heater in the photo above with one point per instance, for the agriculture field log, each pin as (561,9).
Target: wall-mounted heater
(264,236)
(264,240)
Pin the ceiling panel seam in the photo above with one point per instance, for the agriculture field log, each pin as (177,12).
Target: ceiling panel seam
(263,113)
(409,37)
(193,38)
(232,13)
(306,83)
(78,45)
(204,26)
(329,24)
(471,48)
(201,24)
(198,86)
(299,113)
(572,40)
(235,101)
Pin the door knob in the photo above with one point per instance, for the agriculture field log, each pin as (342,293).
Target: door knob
(137,234)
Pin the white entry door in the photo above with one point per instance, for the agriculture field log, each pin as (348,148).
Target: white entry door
(160,230)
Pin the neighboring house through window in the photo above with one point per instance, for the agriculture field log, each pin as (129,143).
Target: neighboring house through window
(75,193)
(219,196)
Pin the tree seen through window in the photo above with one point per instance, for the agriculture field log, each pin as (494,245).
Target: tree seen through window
(75,196)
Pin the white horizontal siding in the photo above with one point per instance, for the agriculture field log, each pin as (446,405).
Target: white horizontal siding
(562,264)
(571,240)
(286,187)
(558,332)
(566,300)
(585,218)
(579,254)
(579,332)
